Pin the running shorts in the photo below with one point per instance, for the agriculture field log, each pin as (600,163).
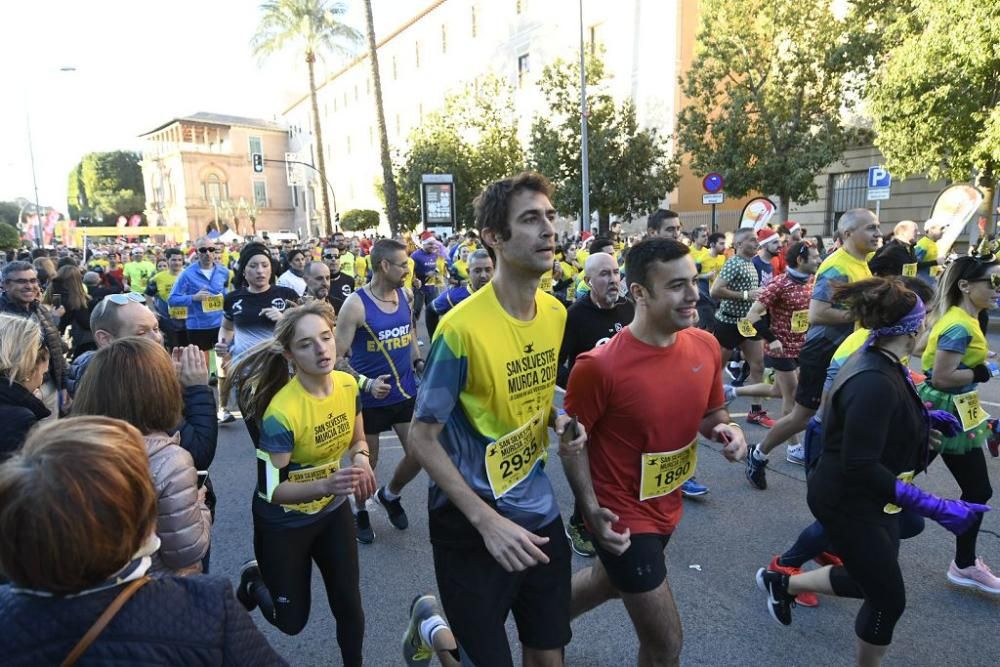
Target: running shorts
(814,359)
(205,339)
(729,336)
(781,363)
(477,595)
(643,566)
(381,419)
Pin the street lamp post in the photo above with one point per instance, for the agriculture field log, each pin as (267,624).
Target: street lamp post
(31,155)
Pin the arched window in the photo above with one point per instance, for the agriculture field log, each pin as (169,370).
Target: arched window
(214,189)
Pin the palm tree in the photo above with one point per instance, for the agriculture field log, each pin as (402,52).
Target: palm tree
(313,27)
(388,182)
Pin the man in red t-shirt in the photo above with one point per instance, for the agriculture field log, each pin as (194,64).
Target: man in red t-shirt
(785,301)
(628,478)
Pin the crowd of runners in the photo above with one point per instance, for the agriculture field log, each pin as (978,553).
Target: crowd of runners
(116,377)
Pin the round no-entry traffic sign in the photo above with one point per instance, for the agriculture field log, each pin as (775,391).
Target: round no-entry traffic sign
(712,182)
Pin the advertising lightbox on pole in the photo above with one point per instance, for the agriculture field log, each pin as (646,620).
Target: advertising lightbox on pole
(437,203)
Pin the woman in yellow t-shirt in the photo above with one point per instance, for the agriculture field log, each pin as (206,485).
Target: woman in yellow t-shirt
(955,362)
(303,427)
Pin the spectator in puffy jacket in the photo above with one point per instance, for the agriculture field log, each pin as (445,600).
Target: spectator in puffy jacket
(122,315)
(23,363)
(133,379)
(80,499)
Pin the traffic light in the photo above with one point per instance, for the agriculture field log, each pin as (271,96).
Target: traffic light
(258,163)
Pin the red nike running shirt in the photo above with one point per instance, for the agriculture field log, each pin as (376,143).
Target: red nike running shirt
(633,399)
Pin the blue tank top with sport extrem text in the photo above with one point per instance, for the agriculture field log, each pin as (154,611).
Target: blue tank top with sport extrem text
(381,346)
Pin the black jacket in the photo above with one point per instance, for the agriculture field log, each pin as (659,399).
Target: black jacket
(891,257)
(19,411)
(57,355)
(588,326)
(169,621)
(874,428)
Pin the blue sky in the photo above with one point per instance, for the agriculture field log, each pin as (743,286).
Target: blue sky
(138,64)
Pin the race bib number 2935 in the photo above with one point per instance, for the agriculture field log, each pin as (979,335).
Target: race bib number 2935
(512,457)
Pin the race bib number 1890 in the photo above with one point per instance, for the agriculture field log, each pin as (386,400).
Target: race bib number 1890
(664,473)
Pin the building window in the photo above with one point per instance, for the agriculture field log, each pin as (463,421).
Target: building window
(355,92)
(474,26)
(847,190)
(348,145)
(256,145)
(334,105)
(420,112)
(213,189)
(260,194)
(395,70)
(345,99)
(371,136)
(444,39)
(368,86)
(295,197)
(397,126)
(520,6)
(416,54)
(523,68)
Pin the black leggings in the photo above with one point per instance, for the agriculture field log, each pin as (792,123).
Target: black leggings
(285,557)
(970,471)
(871,572)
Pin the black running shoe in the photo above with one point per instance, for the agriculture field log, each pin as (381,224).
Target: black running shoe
(397,515)
(756,470)
(364,525)
(249,575)
(779,601)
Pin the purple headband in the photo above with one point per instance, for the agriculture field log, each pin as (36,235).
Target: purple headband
(908,324)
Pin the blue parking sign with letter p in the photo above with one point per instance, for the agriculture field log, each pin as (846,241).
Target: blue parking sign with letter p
(879,177)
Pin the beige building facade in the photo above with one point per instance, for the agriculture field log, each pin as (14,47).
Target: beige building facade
(197,170)
(451,44)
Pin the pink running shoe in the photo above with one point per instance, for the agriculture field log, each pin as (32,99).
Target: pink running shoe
(975,576)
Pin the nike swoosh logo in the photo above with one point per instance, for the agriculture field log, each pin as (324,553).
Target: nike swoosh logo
(695,369)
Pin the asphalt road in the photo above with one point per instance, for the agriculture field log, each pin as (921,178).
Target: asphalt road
(722,540)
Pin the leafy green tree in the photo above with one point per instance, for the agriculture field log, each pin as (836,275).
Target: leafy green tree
(765,93)
(359,219)
(312,28)
(631,170)
(8,212)
(10,239)
(474,138)
(107,185)
(935,96)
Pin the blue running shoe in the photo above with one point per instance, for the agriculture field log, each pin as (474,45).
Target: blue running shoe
(691,488)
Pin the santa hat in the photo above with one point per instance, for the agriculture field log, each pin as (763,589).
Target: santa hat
(426,235)
(766,234)
(792,226)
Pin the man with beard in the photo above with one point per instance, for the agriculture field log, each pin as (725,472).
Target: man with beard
(376,339)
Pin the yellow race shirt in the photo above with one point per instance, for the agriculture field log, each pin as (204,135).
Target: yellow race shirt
(317,432)
(840,267)
(408,280)
(164,282)
(360,271)
(710,264)
(958,332)
(492,389)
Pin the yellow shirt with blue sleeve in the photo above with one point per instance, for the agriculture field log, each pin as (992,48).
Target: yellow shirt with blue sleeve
(491,387)
(317,432)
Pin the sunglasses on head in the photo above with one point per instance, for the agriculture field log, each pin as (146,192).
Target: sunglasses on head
(122,299)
